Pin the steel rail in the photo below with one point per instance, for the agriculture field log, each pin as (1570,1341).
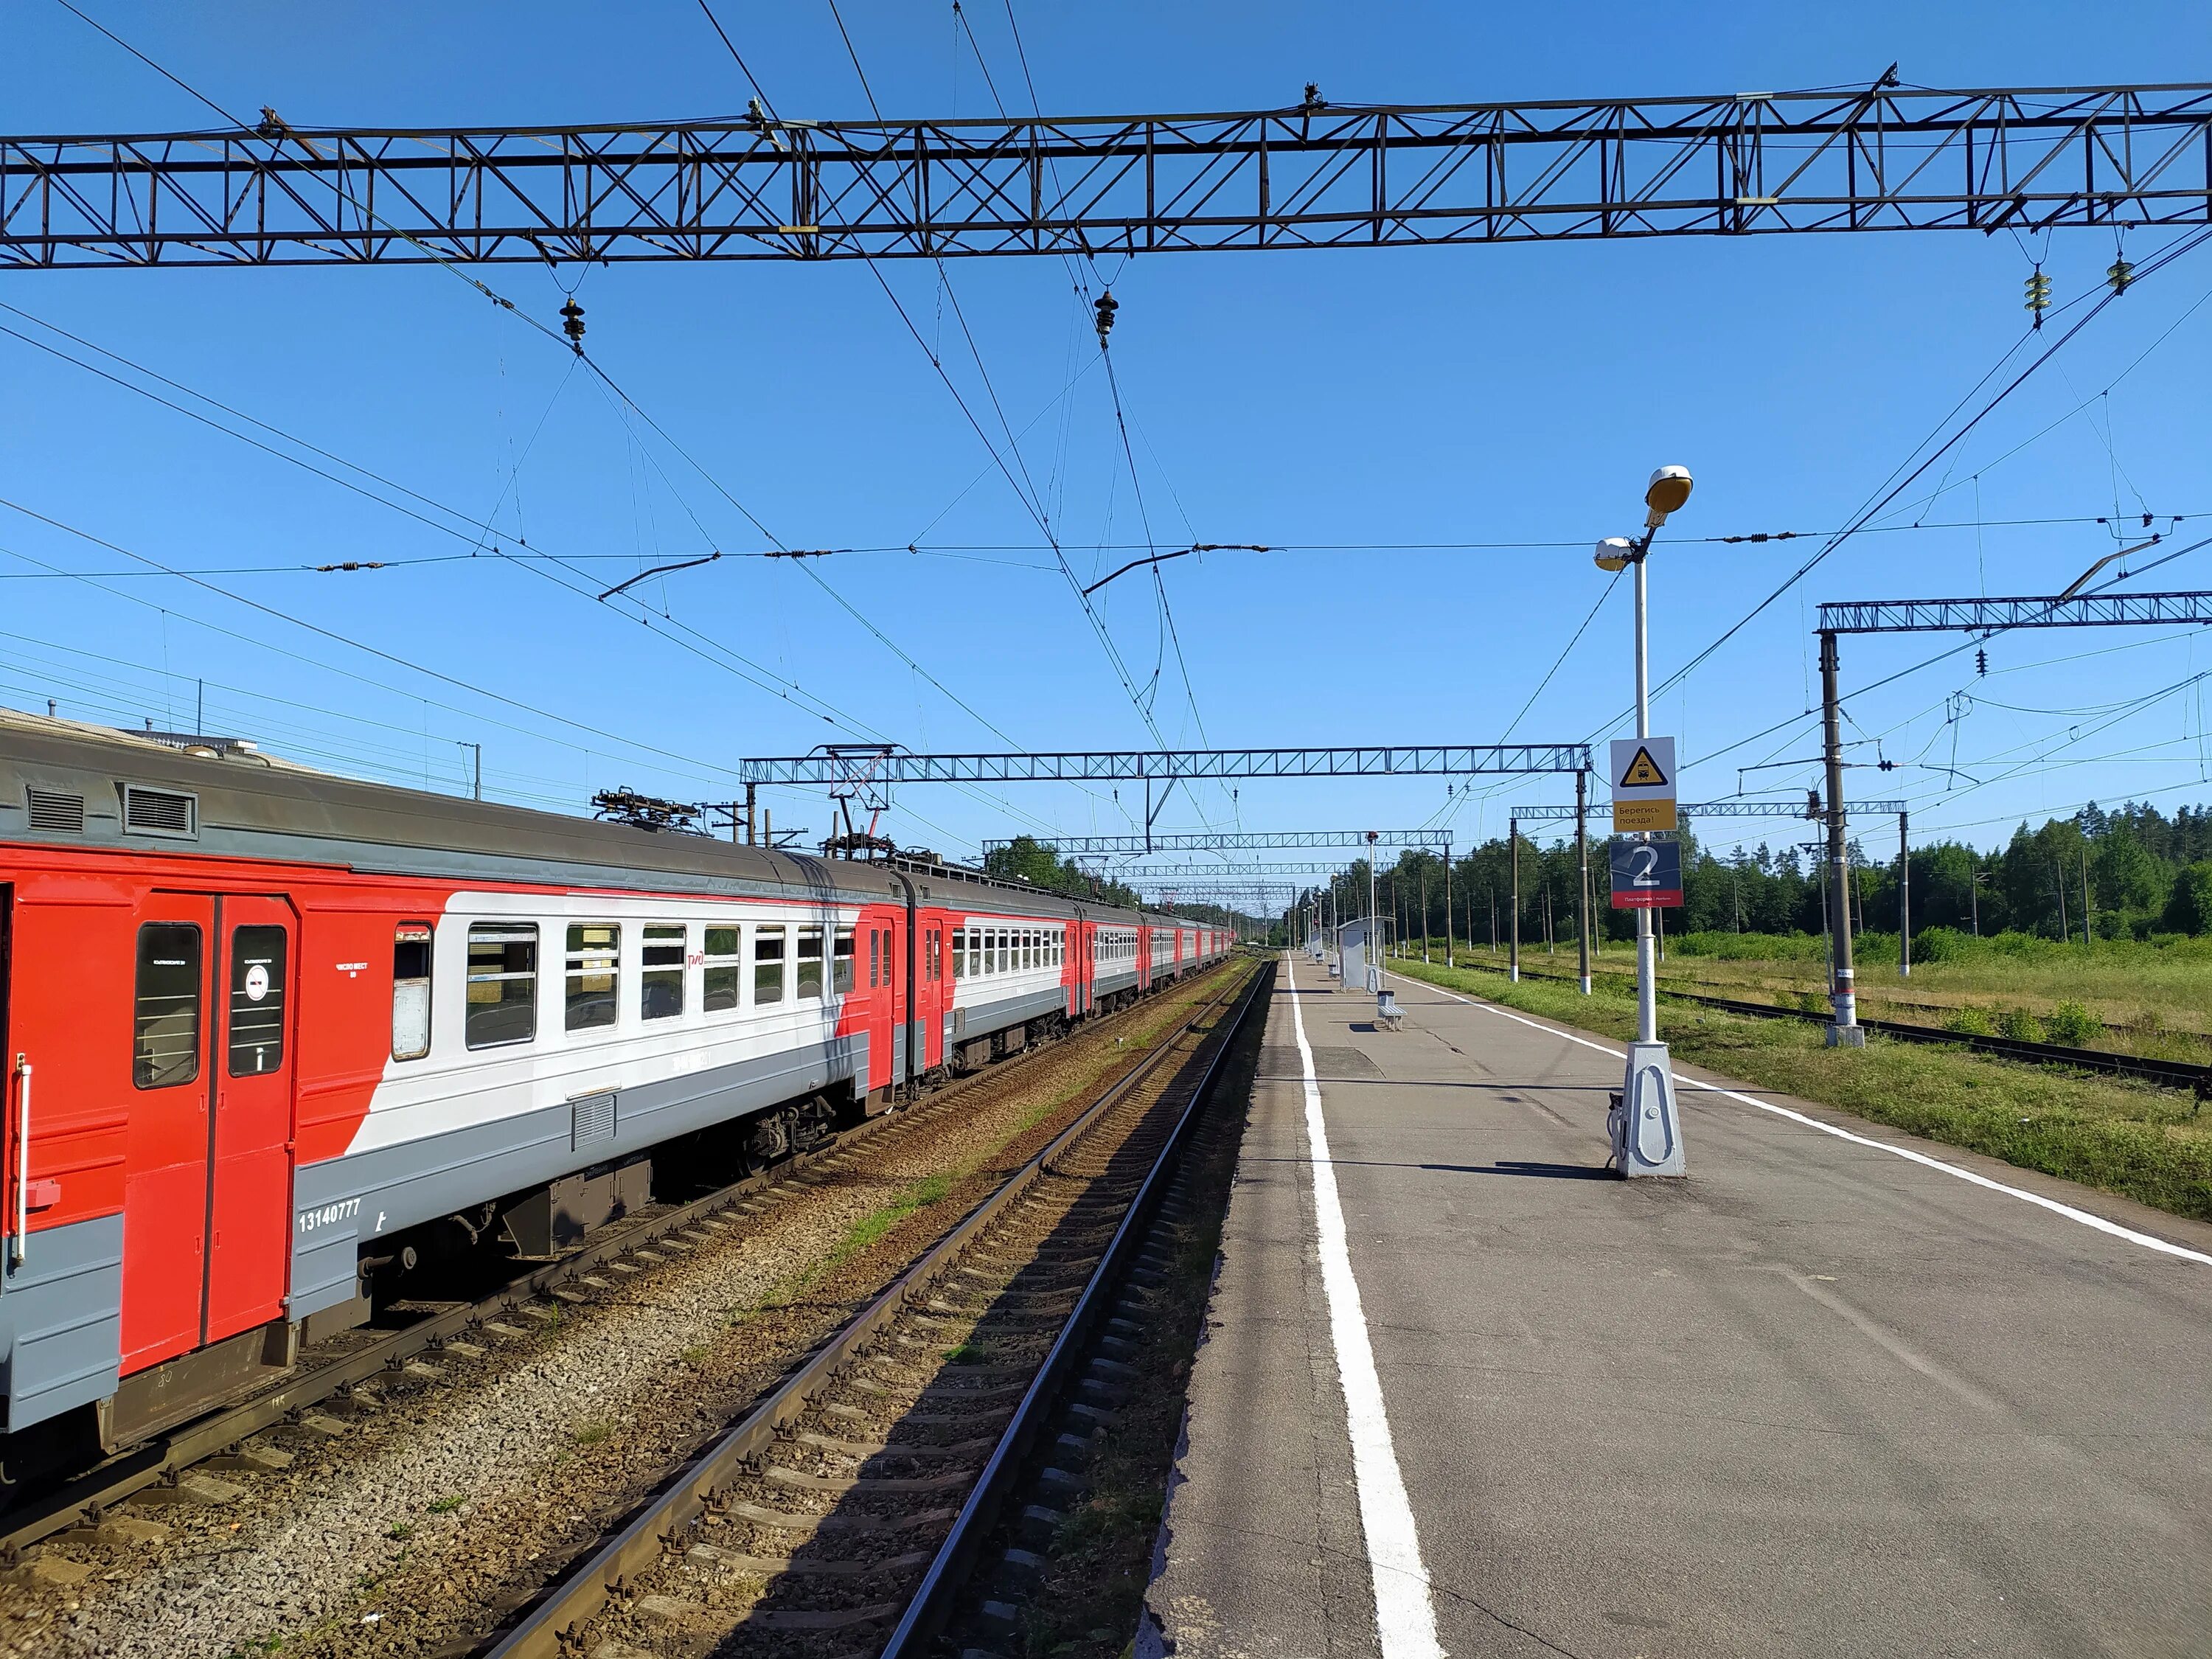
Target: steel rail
(575,1598)
(2165,1074)
(130,1472)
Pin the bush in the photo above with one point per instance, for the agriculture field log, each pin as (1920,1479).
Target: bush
(1944,945)
(1747,947)
(2020,1025)
(1969,1022)
(2072,1026)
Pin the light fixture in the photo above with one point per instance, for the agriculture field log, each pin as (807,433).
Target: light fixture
(1668,488)
(1615,552)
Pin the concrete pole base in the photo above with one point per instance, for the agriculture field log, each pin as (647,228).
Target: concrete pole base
(1645,1129)
(1845,1037)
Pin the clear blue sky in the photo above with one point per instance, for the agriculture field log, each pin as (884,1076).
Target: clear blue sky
(1508,395)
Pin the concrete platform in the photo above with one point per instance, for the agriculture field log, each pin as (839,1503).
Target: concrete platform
(1834,1394)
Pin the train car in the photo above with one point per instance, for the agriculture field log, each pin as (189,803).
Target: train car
(269,1033)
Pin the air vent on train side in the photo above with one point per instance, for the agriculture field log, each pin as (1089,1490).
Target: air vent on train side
(56,809)
(159,811)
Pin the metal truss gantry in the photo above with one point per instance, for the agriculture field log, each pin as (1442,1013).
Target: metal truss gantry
(1231,841)
(1202,872)
(1887,158)
(2000,616)
(1180,765)
(1715,809)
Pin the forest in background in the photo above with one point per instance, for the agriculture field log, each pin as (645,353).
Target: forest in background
(2132,873)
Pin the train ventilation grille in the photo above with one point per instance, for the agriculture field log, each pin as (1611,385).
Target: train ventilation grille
(159,811)
(54,808)
(593,1119)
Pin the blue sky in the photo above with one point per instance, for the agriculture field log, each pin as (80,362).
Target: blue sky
(1348,399)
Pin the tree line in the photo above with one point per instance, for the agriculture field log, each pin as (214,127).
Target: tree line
(2130,873)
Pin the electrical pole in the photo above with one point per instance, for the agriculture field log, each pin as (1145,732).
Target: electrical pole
(1513,846)
(476,751)
(1845,1031)
(1448,901)
(1582,856)
(1904,903)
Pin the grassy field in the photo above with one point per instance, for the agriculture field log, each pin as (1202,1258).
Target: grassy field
(2153,1000)
(2153,1145)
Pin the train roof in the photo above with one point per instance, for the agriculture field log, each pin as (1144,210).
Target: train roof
(68,783)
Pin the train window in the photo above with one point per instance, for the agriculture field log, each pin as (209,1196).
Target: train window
(661,988)
(502,992)
(959,952)
(594,957)
(410,990)
(809,988)
(841,961)
(166,1010)
(257,1000)
(718,994)
(768,965)
(1005,949)
(875,958)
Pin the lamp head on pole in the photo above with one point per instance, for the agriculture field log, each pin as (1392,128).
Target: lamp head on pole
(1668,488)
(1615,552)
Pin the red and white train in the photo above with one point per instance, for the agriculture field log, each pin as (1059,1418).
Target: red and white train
(268,1030)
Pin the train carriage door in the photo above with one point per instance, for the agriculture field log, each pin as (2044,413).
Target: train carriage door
(165,1186)
(249,1200)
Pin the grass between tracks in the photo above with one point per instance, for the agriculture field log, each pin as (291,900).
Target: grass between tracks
(2153,1145)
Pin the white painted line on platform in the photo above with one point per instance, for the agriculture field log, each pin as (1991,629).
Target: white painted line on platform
(2147,1240)
(1405,1620)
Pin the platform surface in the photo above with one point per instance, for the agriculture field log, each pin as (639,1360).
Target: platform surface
(1816,1399)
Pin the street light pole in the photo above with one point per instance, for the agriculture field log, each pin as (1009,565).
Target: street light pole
(1647,988)
(1643,1126)
(1374,920)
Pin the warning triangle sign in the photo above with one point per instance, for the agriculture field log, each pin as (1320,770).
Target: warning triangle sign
(1643,772)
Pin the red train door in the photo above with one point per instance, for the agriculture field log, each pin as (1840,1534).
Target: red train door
(250,1176)
(207,1192)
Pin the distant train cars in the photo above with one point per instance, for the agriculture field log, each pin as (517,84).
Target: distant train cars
(269,1033)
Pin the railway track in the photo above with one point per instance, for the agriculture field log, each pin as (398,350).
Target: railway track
(2165,1074)
(848,1509)
(363,1358)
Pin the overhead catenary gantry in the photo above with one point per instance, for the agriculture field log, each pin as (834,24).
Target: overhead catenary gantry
(1985,617)
(897,766)
(1231,841)
(1219,873)
(1314,175)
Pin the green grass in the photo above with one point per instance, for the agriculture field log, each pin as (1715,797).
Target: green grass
(2153,1145)
(2149,998)
(447,1506)
(590,1434)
